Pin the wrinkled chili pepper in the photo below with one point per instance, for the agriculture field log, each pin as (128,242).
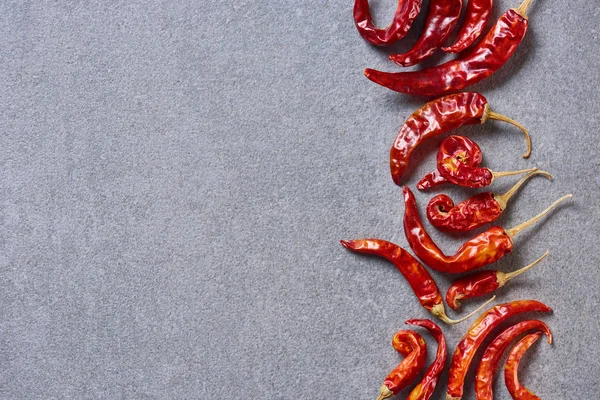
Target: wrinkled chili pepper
(477,15)
(419,279)
(483,249)
(439,116)
(474,212)
(486,58)
(482,283)
(511,378)
(450,165)
(466,349)
(493,354)
(412,346)
(405,14)
(442,17)
(425,388)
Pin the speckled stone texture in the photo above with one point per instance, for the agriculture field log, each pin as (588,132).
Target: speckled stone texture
(175,176)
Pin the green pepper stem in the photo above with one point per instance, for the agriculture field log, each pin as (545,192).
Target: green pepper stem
(503,199)
(505,277)
(517,229)
(489,114)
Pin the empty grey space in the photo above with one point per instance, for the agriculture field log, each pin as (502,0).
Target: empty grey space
(175,177)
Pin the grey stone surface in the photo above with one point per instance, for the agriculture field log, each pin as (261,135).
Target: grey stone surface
(175,177)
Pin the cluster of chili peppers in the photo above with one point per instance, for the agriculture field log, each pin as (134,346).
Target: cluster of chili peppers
(458,163)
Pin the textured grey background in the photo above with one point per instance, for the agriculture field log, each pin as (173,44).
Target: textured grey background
(175,177)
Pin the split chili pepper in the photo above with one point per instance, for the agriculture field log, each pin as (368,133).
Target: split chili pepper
(466,349)
(482,283)
(486,58)
(440,116)
(404,16)
(511,378)
(425,388)
(477,15)
(442,17)
(419,279)
(493,354)
(451,166)
(474,212)
(483,249)
(412,346)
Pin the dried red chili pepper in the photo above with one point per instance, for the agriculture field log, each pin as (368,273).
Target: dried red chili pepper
(412,346)
(474,212)
(482,283)
(486,58)
(405,14)
(466,349)
(419,279)
(442,17)
(477,15)
(493,354)
(425,388)
(483,249)
(511,378)
(439,116)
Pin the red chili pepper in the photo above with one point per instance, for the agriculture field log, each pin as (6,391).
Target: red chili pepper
(511,378)
(486,58)
(412,346)
(493,354)
(419,279)
(477,15)
(483,249)
(441,20)
(466,349)
(451,166)
(425,388)
(482,283)
(440,116)
(474,212)
(405,14)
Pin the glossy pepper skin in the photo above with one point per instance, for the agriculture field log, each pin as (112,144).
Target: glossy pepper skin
(424,390)
(511,379)
(487,57)
(442,18)
(450,164)
(404,16)
(484,379)
(477,15)
(412,346)
(466,349)
(435,118)
(464,216)
(419,279)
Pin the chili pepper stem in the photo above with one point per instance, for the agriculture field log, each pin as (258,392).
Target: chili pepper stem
(440,312)
(522,9)
(384,393)
(489,114)
(505,277)
(503,199)
(510,173)
(517,229)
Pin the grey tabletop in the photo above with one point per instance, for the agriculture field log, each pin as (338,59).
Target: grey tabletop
(175,177)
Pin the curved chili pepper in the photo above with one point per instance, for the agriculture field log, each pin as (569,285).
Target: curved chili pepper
(474,212)
(486,58)
(441,20)
(483,249)
(466,349)
(493,354)
(482,283)
(511,378)
(451,166)
(425,388)
(439,116)
(412,346)
(404,16)
(477,15)
(419,279)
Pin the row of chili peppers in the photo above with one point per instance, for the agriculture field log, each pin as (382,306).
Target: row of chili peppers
(458,162)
